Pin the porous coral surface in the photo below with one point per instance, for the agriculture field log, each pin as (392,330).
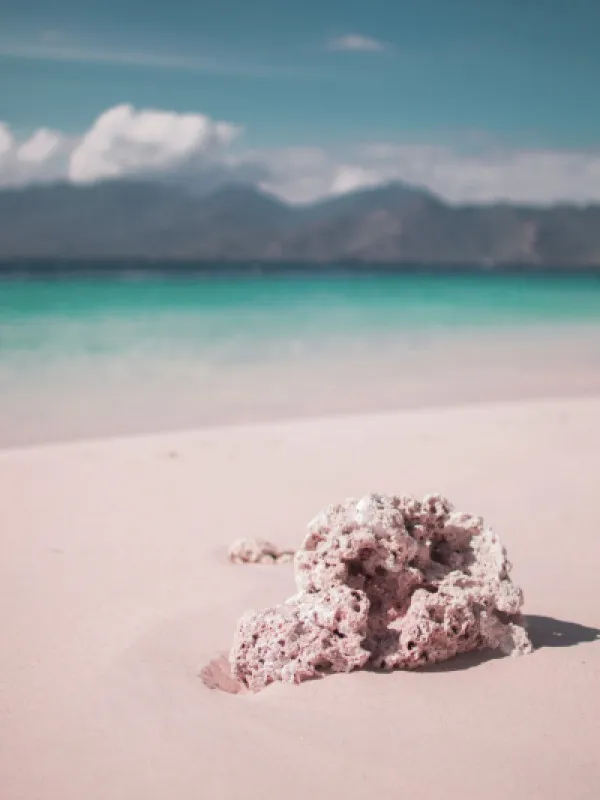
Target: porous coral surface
(258,551)
(388,581)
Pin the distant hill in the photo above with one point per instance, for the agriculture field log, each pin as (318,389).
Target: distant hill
(389,224)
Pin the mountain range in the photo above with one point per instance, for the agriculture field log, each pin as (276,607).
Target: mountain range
(391,224)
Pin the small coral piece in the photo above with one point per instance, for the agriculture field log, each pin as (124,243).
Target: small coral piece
(258,551)
(388,581)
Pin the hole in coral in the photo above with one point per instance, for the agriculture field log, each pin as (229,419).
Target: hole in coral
(437,554)
(354,568)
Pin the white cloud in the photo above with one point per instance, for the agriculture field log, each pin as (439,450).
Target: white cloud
(527,176)
(6,139)
(41,157)
(123,141)
(349,178)
(357,43)
(50,47)
(40,146)
(193,149)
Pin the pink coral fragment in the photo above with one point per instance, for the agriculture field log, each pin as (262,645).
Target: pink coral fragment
(392,582)
(258,551)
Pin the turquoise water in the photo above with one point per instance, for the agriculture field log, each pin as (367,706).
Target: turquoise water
(245,318)
(106,355)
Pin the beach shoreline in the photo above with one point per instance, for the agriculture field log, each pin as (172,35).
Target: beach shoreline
(94,398)
(95,357)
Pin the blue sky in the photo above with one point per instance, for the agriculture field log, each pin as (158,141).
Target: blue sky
(522,70)
(463,74)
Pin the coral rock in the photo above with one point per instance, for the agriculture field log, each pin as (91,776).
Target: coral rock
(258,551)
(307,636)
(390,581)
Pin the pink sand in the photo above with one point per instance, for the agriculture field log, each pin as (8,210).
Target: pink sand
(117,590)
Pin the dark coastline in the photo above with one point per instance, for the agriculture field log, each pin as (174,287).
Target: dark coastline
(114,267)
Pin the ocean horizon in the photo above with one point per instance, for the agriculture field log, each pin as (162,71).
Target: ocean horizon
(62,266)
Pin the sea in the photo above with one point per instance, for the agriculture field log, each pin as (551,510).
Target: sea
(113,350)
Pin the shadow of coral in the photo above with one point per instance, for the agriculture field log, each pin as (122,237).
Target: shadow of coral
(550,632)
(463,661)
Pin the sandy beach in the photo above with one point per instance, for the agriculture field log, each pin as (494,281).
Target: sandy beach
(117,591)
(299,401)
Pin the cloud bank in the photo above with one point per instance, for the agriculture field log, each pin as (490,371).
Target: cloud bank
(124,142)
